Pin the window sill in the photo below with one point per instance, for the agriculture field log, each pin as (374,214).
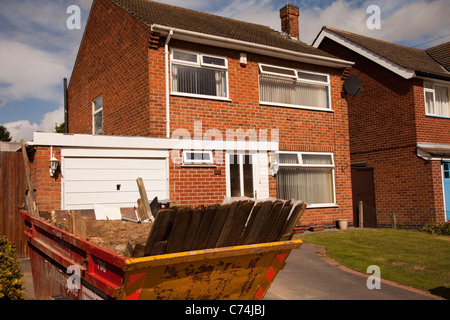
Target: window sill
(199,96)
(273,104)
(325,205)
(198,166)
(439,117)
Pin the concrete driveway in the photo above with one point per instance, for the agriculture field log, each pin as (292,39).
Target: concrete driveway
(307,276)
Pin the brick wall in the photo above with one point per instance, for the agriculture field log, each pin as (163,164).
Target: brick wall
(48,189)
(112,61)
(133,87)
(386,121)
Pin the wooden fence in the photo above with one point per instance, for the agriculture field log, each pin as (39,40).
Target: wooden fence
(12,198)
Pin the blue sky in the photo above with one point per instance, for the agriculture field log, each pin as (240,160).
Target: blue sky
(37,50)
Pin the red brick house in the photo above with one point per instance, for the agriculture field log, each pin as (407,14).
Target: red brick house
(204,107)
(399,125)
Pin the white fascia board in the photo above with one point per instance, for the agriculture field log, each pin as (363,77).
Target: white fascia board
(222,42)
(403,72)
(145,143)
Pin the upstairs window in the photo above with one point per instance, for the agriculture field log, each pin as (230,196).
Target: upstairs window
(293,88)
(436,100)
(97,116)
(199,75)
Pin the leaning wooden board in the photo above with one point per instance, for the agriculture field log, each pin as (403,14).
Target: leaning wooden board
(240,222)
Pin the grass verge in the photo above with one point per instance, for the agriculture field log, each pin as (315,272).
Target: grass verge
(416,259)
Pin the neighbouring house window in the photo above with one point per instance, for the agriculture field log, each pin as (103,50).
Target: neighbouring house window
(98,116)
(306,176)
(197,158)
(294,88)
(436,100)
(201,75)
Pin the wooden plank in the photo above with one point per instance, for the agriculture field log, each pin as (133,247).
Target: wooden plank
(271,219)
(239,223)
(129,214)
(228,225)
(32,198)
(250,221)
(159,248)
(191,232)
(145,206)
(293,219)
(258,223)
(203,230)
(161,229)
(217,226)
(180,226)
(277,230)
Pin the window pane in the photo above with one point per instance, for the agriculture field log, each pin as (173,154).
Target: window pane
(248,177)
(313,77)
(312,185)
(214,61)
(98,123)
(442,103)
(429,102)
(98,103)
(199,81)
(288,158)
(287,72)
(199,156)
(286,91)
(321,159)
(185,56)
(235,176)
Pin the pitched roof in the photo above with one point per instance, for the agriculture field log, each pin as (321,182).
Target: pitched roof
(422,62)
(152,12)
(441,54)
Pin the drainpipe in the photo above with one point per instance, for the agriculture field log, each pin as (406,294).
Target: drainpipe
(66,108)
(166,49)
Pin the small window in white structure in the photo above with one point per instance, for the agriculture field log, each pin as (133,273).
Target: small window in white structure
(436,100)
(306,176)
(199,75)
(292,88)
(197,158)
(97,116)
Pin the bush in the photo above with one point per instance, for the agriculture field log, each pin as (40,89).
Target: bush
(10,274)
(437,229)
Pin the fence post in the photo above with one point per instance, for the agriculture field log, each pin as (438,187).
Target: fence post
(361,214)
(394,221)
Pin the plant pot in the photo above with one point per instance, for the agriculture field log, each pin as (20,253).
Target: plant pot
(342,224)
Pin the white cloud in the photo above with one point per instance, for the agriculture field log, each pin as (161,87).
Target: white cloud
(400,20)
(23,129)
(26,72)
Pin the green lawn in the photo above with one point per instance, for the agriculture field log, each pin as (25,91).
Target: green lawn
(412,258)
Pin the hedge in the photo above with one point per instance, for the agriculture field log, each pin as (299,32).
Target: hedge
(10,274)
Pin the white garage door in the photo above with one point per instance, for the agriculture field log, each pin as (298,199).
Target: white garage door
(88,182)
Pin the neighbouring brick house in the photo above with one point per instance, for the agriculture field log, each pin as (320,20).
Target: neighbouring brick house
(264,112)
(399,124)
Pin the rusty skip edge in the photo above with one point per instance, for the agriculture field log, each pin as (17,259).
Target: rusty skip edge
(106,270)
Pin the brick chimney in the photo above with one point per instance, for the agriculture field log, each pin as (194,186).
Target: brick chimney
(289,20)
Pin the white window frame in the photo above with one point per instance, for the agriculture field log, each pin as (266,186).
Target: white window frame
(328,84)
(300,164)
(187,161)
(199,64)
(433,91)
(95,112)
(241,171)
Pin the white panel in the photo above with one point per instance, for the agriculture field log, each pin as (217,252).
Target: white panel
(262,178)
(111,181)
